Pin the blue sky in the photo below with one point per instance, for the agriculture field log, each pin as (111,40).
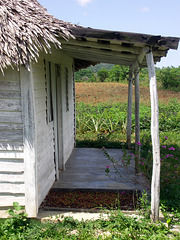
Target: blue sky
(158,17)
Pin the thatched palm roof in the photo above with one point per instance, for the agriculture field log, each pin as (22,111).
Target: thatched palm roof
(25,29)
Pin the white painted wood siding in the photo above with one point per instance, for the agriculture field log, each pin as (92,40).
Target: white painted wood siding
(65,62)
(12,183)
(44,133)
(68,116)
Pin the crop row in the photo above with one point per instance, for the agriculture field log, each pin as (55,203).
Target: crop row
(113,117)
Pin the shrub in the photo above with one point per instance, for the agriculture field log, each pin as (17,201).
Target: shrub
(170,77)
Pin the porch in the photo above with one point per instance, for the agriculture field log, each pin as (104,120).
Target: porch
(85,169)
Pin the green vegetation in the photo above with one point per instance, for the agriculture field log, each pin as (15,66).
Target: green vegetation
(109,118)
(115,226)
(102,73)
(168,77)
(104,125)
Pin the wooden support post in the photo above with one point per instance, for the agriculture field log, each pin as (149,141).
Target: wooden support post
(155,184)
(137,121)
(129,114)
(29,138)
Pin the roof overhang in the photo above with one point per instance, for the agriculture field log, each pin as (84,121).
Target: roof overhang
(122,48)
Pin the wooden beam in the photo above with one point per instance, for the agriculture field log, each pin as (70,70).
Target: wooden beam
(96,45)
(129,115)
(29,138)
(99,52)
(103,57)
(140,57)
(155,185)
(137,121)
(142,39)
(115,47)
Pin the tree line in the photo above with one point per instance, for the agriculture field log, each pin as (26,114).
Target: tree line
(169,77)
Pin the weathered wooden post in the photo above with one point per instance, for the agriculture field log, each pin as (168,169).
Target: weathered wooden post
(137,121)
(30,163)
(129,114)
(155,184)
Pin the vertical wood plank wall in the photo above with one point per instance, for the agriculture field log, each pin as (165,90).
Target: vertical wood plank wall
(44,130)
(68,116)
(44,133)
(12,187)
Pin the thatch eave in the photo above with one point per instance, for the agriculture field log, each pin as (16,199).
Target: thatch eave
(26,28)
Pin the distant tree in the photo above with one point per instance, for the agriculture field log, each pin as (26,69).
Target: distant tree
(169,77)
(118,73)
(102,74)
(83,74)
(100,66)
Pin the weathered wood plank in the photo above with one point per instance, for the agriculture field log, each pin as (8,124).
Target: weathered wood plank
(30,167)
(10,95)
(10,117)
(9,85)
(100,45)
(8,200)
(10,104)
(43,174)
(41,104)
(111,46)
(45,186)
(39,93)
(146,39)
(39,77)
(10,74)
(44,146)
(11,177)
(102,58)
(41,119)
(41,113)
(11,155)
(10,166)
(46,134)
(39,85)
(45,160)
(11,146)
(137,121)
(11,135)
(11,126)
(100,52)
(155,185)
(129,115)
(12,188)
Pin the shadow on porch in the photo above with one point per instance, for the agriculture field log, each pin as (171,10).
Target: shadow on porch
(85,169)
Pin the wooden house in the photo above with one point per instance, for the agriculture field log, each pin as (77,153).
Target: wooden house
(38,57)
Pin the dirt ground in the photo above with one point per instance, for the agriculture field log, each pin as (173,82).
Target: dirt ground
(117,92)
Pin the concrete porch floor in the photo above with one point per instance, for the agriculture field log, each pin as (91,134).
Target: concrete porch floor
(85,169)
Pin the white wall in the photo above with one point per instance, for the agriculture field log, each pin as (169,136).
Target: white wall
(12,187)
(44,133)
(45,130)
(68,116)
(14,158)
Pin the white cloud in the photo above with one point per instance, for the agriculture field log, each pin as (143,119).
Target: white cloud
(84,2)
(144,9)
